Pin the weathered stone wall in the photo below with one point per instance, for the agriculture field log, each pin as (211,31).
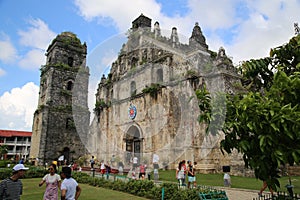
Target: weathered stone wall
(61,120)
(167,121)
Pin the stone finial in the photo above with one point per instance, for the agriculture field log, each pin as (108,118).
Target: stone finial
(222,58)
(103,79)
(156,30)
(197,36)
(221,53)
(297,29)
(174,37)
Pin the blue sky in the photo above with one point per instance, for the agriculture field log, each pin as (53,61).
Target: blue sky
(246,29)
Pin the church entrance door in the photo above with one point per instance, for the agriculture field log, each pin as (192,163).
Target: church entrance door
(133,144)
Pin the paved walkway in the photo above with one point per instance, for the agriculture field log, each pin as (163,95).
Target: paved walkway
(240,194)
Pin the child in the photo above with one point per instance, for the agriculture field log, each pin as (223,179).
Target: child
(133,174)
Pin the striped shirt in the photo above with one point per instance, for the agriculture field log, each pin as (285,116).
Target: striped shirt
(10,190)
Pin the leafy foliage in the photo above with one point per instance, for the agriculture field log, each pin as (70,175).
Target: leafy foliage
(204,101)
(153,89)
(3,150)
(212,109)
(256,73)
(264,123)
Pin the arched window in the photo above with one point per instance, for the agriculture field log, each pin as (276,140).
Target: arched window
(70,61)
(132,88)
(159,75)
(70,85)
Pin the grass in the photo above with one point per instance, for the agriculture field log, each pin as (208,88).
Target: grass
(31,191)
(236,181)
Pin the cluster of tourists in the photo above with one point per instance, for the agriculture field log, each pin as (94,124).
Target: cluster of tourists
(186,170)
(141,171)
(12,187)
(137,172)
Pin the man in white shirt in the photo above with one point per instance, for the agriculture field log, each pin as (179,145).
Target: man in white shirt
(70,189)
(155,160)
(135,162)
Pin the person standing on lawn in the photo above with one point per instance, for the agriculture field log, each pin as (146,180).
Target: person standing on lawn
(180,174)
(53,182)
(92,161)
(70,189)
(191,175)
(12,187)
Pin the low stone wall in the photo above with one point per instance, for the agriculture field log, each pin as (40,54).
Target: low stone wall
(237,170)
(294,170)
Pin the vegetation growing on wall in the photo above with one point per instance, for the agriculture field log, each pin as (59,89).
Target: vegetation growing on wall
(153,89)
(192,74)
(100,105)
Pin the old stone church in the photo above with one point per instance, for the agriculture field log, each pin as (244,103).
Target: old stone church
(147,103)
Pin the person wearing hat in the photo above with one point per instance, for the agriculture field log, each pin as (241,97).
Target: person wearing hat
(12,187)
(70,189)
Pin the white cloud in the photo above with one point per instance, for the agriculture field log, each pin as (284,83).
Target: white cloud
(37,37)
(2,72)
(17,107)
(33,59)
(213,16)
(268,26)
(120,12)
(38,34)
(8,52)
(246,29)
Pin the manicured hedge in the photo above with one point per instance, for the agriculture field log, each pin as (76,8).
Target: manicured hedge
(144,188)
(33,172)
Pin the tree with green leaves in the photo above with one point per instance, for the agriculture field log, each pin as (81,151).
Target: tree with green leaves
(263,121)
(3,150)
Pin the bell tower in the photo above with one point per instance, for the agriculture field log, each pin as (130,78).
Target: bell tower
(61,121)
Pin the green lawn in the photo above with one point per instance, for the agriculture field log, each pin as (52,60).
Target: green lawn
(236,181)
(31,191)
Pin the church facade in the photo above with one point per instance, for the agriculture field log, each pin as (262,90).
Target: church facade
(147,103)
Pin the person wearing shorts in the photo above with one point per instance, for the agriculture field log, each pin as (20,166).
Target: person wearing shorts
(191,175)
